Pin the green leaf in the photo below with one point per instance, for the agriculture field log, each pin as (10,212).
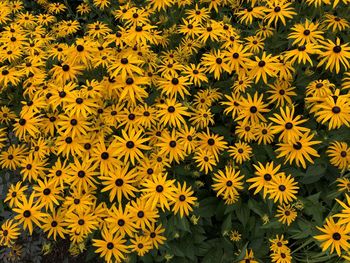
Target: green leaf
(314,173)
(255,207)
(207,206)
(227,224)
(242,254)
(242,214)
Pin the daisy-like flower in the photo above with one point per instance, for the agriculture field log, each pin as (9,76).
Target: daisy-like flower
(252,109)
(141,245)
(227,183)
(334,55)
(232,105)
(283,189)
(305,33)
(278,244)
(335,22)
(172,112)
(215,63)
(119,182)
(334,235)
(54,225)
(339,153)
(235,236)
(211,142)
(278,10)
(237,56)
(156,235)
(287,125)
(112,247)
(173,85)
(205,160)
(184,200)
(263,177)
(15,194)
(263,67)
(130,145)
(334,111)
(247,15)
(302,53)
(299,150)
(119,220)
(9,233)
(170,146)
(286,214)
(29,213)
(159,191)
(240,152)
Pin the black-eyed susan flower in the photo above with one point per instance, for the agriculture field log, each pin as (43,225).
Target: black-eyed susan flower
(334,111)
(339,154)
(235,236)
(130,146)
(81,222)
(286,214)
(263,133)
(249,255)
(298,150)
(252,109)
(142,213)
(263,177)
(281,93)
(29,213)
(119,182)
(335,22)
(205,160)
(141,244)
(278,11)
(227,183)
(112,247)
(170,147)
(334,55)
(237,56)
(334,235)
(159,191)
(240,151)
(120,221)
(307,32)
(48,194)
(15,194)
(211,142)
(183,200)
(283,189)
(54,225)
(156,235)
(9,232)
(287,125)
(232,105)
(172,112)
(27,124)
(247,15)
(278,243)
(105,156)
(246,131)
(215,63)
(11,158)
(263,67)
(82,174)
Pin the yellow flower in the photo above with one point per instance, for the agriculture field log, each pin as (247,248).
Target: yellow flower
(335,236)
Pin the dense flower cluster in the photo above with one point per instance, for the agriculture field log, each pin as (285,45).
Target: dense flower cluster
(119,117)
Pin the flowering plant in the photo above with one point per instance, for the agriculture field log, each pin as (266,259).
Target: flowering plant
(175,130)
